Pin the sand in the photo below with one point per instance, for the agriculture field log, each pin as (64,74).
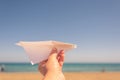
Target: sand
(68,75)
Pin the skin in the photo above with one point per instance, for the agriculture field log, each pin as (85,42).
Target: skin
(52,67)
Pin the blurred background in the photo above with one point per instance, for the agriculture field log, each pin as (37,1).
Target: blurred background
(93,25)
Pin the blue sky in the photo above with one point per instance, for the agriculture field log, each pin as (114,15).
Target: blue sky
(94,25)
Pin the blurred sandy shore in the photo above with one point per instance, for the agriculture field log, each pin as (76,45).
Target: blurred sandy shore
(68,75)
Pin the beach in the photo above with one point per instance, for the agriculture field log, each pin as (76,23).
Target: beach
(72,71)
(68,76)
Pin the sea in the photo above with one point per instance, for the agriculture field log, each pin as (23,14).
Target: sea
(67,67)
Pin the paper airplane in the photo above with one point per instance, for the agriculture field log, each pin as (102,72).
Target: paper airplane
(40,50)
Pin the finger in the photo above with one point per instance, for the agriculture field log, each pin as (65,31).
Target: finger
(61,60)
(54,50)
(42,70)
(44,61)
(42,64)
(53,54)
(61,54)
(58,56)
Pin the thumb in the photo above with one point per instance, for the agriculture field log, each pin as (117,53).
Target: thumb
(53,54)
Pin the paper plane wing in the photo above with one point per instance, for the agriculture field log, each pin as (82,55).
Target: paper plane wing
(40,50)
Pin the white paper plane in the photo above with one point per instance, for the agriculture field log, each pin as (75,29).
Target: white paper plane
(40,50)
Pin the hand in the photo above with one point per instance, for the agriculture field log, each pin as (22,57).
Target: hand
(54,63)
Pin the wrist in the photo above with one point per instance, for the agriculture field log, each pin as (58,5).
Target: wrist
(54,75)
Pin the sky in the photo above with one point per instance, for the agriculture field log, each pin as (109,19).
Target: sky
(93,25)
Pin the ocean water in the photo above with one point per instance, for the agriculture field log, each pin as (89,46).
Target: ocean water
(68,67)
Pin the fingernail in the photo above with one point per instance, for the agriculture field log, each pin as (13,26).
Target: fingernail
(62,51)
(54,50)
